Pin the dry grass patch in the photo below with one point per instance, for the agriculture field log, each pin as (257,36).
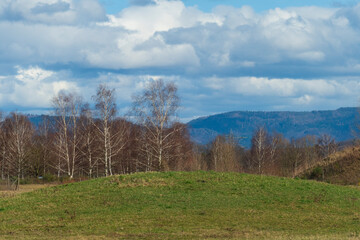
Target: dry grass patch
(128,182)
(23,189)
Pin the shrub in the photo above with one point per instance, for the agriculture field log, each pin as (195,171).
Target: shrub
(49,178)
(317,173)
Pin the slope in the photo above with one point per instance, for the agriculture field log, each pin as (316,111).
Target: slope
(342,167)
(184,205)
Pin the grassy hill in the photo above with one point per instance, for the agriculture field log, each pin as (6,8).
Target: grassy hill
(342,167)
(184,205)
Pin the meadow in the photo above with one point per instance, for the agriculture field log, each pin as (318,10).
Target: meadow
(184,205)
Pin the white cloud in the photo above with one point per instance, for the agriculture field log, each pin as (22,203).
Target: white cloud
(129,54)
(308,12)
(32,87)
(289,54)
(286,87)
(304,100)
(161,16)
(297,36)
(37,44)
(165,34)
(31,40)
(32,75)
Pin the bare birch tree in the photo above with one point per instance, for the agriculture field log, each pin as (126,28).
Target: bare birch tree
(67,109)
(18,131)
(113,141)
(88,139)
(155,110)
(259,149)
(119,137)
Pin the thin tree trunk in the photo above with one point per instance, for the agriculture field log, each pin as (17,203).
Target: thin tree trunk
(3,165)
(90,165)
(18,174)
(106,156)
(59,168)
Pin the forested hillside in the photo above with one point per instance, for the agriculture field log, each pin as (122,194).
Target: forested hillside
(340,124)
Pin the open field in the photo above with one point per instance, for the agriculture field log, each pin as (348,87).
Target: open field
(184,205)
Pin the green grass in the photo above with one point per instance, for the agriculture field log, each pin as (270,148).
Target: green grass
(184,205)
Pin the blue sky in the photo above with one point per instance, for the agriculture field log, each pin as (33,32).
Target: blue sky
(224,55)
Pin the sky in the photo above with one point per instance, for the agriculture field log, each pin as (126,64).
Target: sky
(224,55)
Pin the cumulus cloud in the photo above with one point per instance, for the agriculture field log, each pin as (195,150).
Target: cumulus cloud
(161,16)
(303,100)
(278,38)
(254,93)
(283,87)
(161,33)
(32,87)
(294,56)
(39,44)
(135,54)
(52,33)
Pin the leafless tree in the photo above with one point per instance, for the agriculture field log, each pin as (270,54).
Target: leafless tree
(179,156)
(2,148)
(277,143)
(41,152)
(301,154)
(119,137)
(18,132)
(113,141)
(44,142)
(145,160)
(259,148)
(67,110)
(155,110)
(326,145)
(225,153)
(88,145)
(201,155)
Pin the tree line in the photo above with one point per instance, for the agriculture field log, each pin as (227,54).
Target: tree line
(83,142)
(270,154)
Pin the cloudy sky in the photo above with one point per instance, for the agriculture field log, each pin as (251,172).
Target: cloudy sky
(224,55)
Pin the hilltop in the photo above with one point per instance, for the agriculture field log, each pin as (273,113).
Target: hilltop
(340,124)
(184,205)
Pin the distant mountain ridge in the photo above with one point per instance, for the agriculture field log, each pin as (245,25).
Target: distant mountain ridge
(340,124)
